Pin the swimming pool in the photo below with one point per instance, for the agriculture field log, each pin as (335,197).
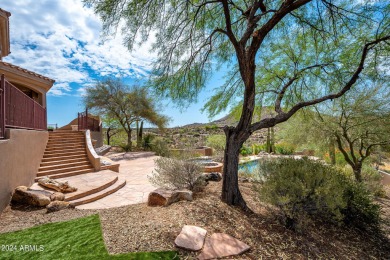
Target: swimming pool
(249,167)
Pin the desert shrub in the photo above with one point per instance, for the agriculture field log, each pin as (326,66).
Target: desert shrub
(257,148)
(211,127)
(284,148)
(303,189)
(125,147)
(372,179)
(245,151)
(147,141)
(160,147)
(217,142)
(361,211)
(172,173)
(340,160)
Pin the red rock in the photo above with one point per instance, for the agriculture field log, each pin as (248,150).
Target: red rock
(191,238)
(162,197)
(222,245)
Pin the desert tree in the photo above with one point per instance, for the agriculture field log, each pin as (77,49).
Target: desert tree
(283,52)
(124,104)
(112,127)
(359,124)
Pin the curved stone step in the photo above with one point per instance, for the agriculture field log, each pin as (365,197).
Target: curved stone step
(120,183)
(79,195)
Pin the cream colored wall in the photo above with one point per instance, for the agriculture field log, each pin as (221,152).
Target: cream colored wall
(20,156)
(98,136)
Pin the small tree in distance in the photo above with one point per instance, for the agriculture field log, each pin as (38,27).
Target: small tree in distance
(359,124)
(112,127)
(124,104)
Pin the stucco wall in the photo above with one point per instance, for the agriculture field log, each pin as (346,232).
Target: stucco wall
(98,136)
(20,157)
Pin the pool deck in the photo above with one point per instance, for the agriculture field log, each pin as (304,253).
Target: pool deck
(134,168)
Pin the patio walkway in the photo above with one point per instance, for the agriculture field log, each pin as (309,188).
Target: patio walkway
(134,168)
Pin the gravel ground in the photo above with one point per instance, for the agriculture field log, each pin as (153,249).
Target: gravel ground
(141,228)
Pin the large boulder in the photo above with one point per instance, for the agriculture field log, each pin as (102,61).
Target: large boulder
(58,205)
(24,195)
(221,245)
(191,238)
(56,185)
(163,197)
(57,196)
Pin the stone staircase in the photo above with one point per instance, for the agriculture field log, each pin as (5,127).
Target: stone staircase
(65,155)
(66,159)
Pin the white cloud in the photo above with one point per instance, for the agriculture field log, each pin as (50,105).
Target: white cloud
(60,39)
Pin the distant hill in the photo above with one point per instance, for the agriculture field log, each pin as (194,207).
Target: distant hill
(230,119)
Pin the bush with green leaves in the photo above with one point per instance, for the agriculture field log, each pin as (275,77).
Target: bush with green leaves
(372,179)
(147,141)
(160,147)
(211,127)
(245,151)
(303,189)
(217,142)
(361,211)
(172,173)
(257,148)
(125,147)
(285,148)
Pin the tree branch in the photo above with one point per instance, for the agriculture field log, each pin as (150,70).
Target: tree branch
(281,117)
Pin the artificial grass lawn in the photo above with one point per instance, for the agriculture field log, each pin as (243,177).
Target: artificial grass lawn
(76,239)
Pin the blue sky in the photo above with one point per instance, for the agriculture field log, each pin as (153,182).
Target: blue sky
(62,39)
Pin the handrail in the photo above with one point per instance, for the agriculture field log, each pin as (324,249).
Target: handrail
(88,123)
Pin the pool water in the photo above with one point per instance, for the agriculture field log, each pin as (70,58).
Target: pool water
(249,166)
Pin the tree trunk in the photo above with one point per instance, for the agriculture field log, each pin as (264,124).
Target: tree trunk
(139,134)
(332,151)
(108,135)
(268,145)
(231,194)
(357,171)
(129,140)
(272,140)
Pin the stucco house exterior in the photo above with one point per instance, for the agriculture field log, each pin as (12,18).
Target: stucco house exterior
(23,119)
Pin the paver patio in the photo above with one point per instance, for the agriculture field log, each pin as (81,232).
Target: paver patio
(134,167)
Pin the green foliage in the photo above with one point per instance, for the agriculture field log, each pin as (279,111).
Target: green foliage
(361,210)
(372,179)
(147,141)
(257,148)
(245,151)
(160,147)
(303,189)
(217,142)
(285,148)
(172,173)
(126,147)
(123,104)
(211,127)
(340,159)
